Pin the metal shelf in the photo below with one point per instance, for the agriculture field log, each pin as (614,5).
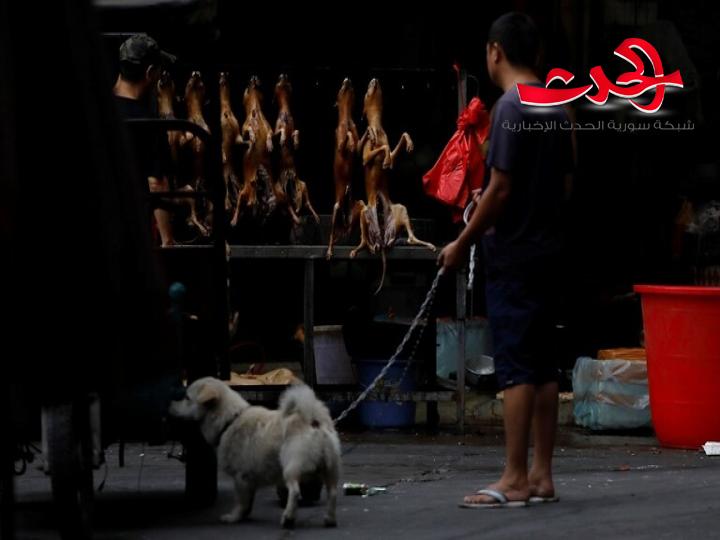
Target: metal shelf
(310,254)
(272,394)
(318,252)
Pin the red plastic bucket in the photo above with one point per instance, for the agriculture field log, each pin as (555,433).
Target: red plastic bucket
(682,338)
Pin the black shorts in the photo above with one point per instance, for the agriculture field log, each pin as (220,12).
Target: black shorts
(523,313)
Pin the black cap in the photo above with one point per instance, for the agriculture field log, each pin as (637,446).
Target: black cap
(143,50)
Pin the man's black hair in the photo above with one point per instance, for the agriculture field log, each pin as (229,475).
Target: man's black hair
(137,53)
(519,38)
(132,72)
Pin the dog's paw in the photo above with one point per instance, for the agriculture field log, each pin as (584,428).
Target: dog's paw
(330,522)
(287,522)
(230,517)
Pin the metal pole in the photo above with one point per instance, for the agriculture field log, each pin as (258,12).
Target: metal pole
(309,321)
(7,477)
(461,313)
(219,255)
(462,91)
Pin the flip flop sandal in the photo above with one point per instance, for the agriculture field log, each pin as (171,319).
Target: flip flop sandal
(501,501)
(536,499)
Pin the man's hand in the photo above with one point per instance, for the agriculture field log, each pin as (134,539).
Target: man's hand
(476,194)
(454,255)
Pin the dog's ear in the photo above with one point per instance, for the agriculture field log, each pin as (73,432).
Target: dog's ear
(207,395)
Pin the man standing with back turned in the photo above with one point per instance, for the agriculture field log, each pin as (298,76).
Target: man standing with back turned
(141,61)
(520,215)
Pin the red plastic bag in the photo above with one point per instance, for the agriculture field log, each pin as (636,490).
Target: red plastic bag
(461,167)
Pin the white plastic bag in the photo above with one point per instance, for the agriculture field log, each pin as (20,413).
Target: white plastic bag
(611,394)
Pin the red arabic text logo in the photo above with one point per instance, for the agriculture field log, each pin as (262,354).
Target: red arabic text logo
(628,85)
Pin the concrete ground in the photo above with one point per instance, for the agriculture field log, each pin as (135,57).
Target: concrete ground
(610,487)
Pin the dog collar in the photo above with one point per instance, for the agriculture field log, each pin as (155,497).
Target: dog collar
(225,428)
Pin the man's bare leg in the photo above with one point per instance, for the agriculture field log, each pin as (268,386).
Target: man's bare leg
(518,412)
(544,428)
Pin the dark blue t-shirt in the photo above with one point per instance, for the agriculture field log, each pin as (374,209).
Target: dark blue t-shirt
(529,144)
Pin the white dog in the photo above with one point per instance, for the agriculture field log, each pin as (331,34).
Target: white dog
(257,446)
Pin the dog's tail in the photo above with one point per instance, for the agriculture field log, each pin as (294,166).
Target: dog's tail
(301,400)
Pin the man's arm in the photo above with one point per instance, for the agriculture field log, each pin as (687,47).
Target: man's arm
(163,218)
(489,207)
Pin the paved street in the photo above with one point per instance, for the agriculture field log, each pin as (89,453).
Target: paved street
(611,487)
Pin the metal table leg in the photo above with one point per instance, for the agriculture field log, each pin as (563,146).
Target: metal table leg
(309,321)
